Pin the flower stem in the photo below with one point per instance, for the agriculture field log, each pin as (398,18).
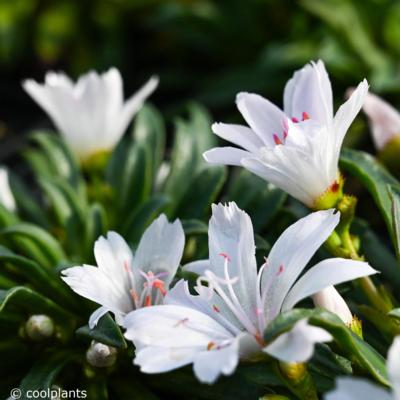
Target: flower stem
(343,244)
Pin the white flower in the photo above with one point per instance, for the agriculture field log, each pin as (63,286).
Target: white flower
(355,388)
(297,345)
(330,299)
(227,319)
(123,282)
(384,120)
(91,113)
(6,196)
(296,150)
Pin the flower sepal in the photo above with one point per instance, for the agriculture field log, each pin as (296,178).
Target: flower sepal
(298,379)
(332,196)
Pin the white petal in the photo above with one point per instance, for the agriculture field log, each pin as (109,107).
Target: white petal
(348,111)
(384,119)
(96,315)
(231,237)
(225,156)
(155,360)
(298,344)
(160,249)
(208,365)
(330,299)
(291,253)
(90,282)
(212,305)
(135,103)
(310,91)
(240,135)
(197,267)
(355,389)
(263,117)
(6,195)
(326,273)
(393,366)
(173,326)
(286,182)
(114,259)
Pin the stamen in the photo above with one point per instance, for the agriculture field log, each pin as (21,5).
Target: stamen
(210,346)
(135,297)
(159,285)
(295,120)
(305,116)
(126,267)
(276,139)
(216,309)
(147,302)
(181,322)
(280,270)
(225,256)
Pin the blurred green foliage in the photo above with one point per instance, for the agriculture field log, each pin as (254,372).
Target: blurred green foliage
(202,48)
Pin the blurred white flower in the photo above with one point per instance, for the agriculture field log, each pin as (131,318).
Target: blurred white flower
(234,304)
(123,282)
(298,149)
(355,388)
(297,345)
(330,299)
(383,118)
(6,196)
(90,114)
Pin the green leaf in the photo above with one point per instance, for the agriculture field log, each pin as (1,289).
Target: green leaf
(96,225)
(138,221)
(350,344)
(149,131)
(106,331)
(260,199)
(191,139)
(69,210)
(27,301)
(59,157)
(377,253)
(134,184)
(194,227)
(374,177)
(28,206)
(45,371)
(47,282)
(196,203)
(7,217)
(394,193)
(50,249)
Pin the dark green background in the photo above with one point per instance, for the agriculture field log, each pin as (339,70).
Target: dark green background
(202,49)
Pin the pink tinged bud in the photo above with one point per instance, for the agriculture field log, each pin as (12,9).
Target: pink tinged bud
(330,299)
(100,355)
(39,327)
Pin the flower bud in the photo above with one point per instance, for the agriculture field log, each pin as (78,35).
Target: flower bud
(330,299)
(100,355)
(39,327)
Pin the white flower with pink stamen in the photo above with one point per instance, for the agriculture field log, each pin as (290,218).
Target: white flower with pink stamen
(296,149)
(124,281)
(234,303)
